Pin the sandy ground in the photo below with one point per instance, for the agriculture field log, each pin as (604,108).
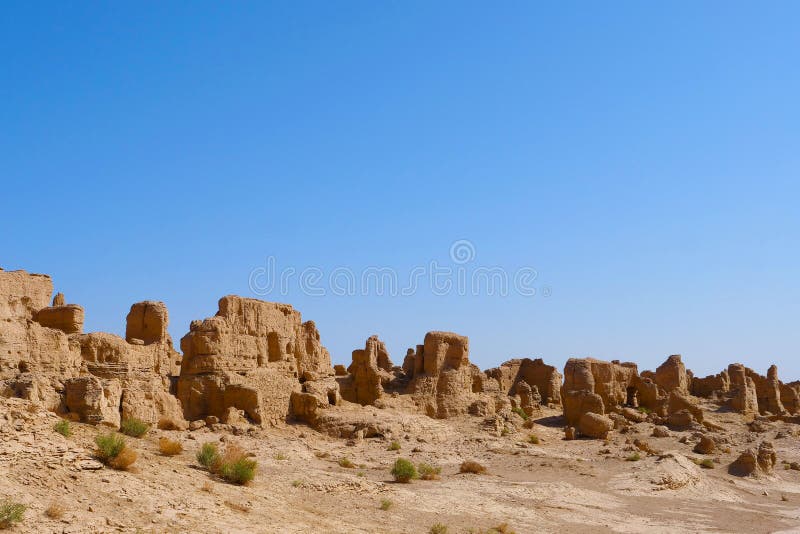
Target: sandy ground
(555,486)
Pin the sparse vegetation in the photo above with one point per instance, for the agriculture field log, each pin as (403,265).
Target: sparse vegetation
(11,513)
(240,507)
(280,456)
(235,466)
(428,472)
(438,528)
(534,439)
(706,463)
(321,454)
(169,447)
(55,511)
(635,457)
(346,463)
(471,466)
(404,471)
(134,428)
(296,483)
(645,410)
(520,412)
(208,455)
(502,528)
(386,504)
(505,431)
(168,423)
(63,427)
(124,459)
(113,451)
(394,446)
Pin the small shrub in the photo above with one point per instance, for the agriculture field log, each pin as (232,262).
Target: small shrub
(386,504)
(394,446)
(208,455)
(134,427)
(505,431)
(280,456)
(296,483)
(404,471)
(346,463)
(520,412)
(63,428)
(10,513)
(471,466)
(168,423)
(55,511)
(169,447)
(124,459)
(706,463)
(320,454)
(240,471)
(234,466)
(635,457)
(438,528)
(428,472)
(645,410)
(109,446)
(361,474)
(502,528)
(534,439)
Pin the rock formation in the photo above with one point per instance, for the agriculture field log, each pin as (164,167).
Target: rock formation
(671,375)
(755,462)
(443,379)
(250,356)
(545,378)
(370,370)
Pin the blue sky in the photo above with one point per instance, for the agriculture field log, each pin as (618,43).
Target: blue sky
(642,158)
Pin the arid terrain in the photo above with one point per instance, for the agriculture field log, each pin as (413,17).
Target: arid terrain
(599,447)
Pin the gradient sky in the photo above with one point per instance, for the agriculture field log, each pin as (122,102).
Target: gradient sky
(642,157)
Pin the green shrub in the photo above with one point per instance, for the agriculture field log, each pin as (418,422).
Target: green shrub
(404,471)
(386,504)
(109,446)
(520,412)
(134,427)
(63,428)
(533,438)
(645,410)
(346,463)
(238,471)
(208,455)
(635,457)
(706,463)
(10,513)
(438,528)
(394,446)
(428,472)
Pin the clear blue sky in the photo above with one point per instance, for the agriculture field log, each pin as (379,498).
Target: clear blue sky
(642,157)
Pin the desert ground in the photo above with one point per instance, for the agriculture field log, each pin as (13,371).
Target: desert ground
(554,486)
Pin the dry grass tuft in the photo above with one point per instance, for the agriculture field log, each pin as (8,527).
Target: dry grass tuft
(168,423)
(169,447)
(124,459)
(471,466)
(55,511)
(438,528)
(240,507)
(346,463)
(386,504)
